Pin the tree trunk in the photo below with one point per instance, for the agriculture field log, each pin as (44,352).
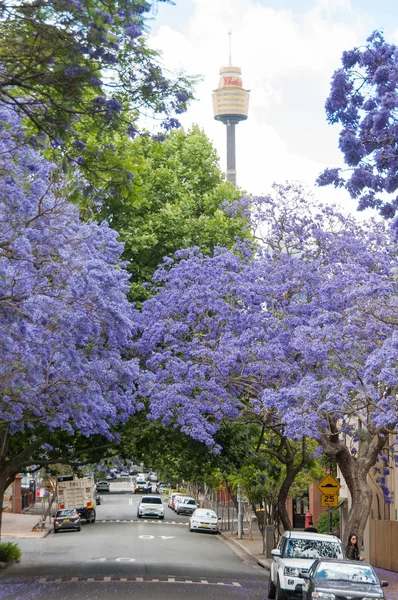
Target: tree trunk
(355,470)
(3,487)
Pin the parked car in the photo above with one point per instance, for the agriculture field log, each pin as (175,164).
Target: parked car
(133,471)
(341,579)
(67,518)
(111,476)
(141,477)
(186,506)
(293,557)
(151,506)
(204,519)
(171,499)
(102,486)
(175,500)
(162,488)
(152,477)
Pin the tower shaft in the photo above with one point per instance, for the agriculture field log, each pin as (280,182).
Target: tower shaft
(231,152)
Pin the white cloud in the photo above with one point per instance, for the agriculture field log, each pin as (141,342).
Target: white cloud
(287,59)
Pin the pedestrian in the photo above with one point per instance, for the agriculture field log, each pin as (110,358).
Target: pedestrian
(310,527)
(352,550)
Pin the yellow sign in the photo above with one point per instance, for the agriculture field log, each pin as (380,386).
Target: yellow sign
(329,500)
(49,487)
(329,486)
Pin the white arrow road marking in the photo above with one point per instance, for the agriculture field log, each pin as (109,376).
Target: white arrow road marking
(125,559)
(146,537)
(167,537)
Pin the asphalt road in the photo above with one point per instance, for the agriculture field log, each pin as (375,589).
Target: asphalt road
(122,557)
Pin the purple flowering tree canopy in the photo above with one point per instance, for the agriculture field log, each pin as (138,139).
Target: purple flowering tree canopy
(67,65)
(302,330)
(65,321)
(364,100)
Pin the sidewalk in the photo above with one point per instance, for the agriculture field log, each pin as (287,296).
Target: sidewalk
(20,526)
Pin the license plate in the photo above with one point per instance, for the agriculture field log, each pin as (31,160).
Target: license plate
(205,526)
(66,520)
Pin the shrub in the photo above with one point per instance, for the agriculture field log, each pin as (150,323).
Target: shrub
(323,522)
(9,552)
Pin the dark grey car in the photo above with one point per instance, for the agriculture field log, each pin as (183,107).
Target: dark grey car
(342,579)
(67,518)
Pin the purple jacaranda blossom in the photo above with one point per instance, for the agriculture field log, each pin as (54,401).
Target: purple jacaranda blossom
(65,320)
(305,325)
(364,100)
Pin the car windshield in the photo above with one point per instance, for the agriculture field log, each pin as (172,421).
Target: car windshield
(346,572)
(205,513)
(305,548)
(190,502)
(67,512)
(154,500)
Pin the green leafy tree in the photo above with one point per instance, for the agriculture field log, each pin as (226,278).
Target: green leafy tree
(177,198)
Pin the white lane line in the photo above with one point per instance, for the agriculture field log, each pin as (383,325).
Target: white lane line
(137,580)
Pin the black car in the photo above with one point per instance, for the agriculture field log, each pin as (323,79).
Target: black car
(342,579)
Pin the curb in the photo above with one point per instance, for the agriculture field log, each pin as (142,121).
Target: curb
(262,562)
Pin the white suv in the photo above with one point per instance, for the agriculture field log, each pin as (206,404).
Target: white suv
(294,555)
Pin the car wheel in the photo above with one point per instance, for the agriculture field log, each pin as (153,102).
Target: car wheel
(271,588)
(55,530)
(279,594)
(161,518)
(138,516)
(79,528)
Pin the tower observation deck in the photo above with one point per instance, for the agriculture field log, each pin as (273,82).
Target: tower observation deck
(230,105)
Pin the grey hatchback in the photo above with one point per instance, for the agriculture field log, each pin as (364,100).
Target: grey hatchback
(343,579)
(67,518)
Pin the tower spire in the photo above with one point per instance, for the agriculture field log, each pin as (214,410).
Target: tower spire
(230,47)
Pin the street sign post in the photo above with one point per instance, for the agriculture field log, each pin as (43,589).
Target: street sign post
(329,486)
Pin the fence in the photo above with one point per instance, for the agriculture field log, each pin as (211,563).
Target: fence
(383,543)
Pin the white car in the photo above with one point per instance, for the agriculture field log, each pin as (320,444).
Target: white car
(204,519)
(151,506)
(294,555)
(186,506)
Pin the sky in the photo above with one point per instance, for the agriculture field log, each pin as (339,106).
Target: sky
(288,51)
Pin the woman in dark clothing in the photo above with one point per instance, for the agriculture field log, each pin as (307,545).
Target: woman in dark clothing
(352,550)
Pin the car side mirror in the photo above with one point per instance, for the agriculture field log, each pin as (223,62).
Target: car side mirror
(384,583)
(276,552)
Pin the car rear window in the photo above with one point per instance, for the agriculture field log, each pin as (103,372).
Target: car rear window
(190,502)
(154,500)
(67,512)
(304,548)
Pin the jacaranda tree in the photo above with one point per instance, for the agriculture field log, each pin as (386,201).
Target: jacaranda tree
(301,333)
(65,322)
(70,65)
(364,100)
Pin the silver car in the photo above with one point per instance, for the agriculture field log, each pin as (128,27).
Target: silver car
(186,506)
(151,506)
(204,519)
